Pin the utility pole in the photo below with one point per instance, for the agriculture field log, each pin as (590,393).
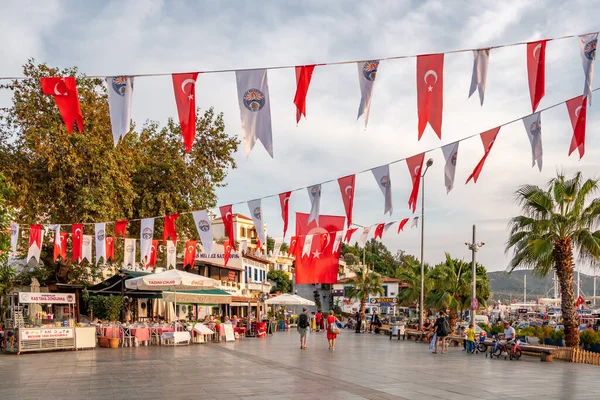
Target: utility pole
(422,294)
(474,247)
(595,273)
(525,288)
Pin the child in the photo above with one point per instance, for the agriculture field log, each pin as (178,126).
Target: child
(463,334)
(471,339)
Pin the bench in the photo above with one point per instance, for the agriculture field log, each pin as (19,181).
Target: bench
(546,353)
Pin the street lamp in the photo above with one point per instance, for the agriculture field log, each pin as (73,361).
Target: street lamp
(474,247)
(421,296)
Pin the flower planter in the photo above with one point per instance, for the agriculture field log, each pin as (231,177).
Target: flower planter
(549,342)
(113,343)
(102,341)
(595,348)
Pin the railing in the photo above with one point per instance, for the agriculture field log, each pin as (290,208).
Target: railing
(577,355)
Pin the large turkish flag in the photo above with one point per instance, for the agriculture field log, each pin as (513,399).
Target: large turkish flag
(320,265)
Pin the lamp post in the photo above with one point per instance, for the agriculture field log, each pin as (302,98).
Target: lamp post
(474,247)
(421,295)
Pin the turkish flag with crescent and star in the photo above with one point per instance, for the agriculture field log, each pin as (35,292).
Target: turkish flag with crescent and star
(121,227)
(303,77)
(64,90)
(487,138)
(76,241)
(184,86)
(226,252)
(110,248)
(153,251)
(284,200)
(292,248)
(169,228)
(536,71)
(320,265)
(430,92)
(349,234)
(60,246)
(347,190)
(189,256)
(577,108)
(378,231)
(415,165)
(227,216)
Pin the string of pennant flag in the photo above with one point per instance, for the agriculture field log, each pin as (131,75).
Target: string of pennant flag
(254,99)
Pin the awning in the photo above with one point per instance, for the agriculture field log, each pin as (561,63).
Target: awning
(208,296)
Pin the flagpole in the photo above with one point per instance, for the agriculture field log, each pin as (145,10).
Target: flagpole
(421,295)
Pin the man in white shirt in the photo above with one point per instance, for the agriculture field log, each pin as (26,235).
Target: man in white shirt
(509,336)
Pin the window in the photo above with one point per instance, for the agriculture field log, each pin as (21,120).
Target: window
(385,290)
(346,288)
(242,232)
(255,275)
(246,274)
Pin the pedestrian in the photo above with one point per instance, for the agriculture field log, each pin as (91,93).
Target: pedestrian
(442,329)
(332,329)
(313,322)
(303,327)
(319,320)
(358,322)
(463,334)
(471,339)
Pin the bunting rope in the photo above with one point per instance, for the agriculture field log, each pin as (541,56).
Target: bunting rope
(335,179)
(399,57)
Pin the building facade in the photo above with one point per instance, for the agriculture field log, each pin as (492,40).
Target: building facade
(386,304)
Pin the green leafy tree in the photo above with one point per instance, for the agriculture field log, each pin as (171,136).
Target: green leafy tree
(283,283)
(7,273)
(411,275)
(84,178)
(554,222)
(365,283)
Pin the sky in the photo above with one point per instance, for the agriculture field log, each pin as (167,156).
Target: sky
(151,36)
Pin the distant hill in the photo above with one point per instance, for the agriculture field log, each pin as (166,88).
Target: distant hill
(510,286)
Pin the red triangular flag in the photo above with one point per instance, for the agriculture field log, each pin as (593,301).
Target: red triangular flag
(347,189)
(487,138)
(110,248)
(349,234)
(415,164)
(76,241)
(303,76)
(292,248)
(227,216)
(121,228)
(378,231)
(580,301)
(153,251)
(430,92)
(401,225)
(536,71)
(169,230)
(284,200)
(226,252)
(60,246)
(185,97)
(577,108)
(258,245)
(64,90)
(189,256)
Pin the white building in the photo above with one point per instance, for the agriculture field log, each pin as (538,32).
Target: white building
(385,304)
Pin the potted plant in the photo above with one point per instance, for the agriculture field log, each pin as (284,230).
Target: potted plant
(558,336)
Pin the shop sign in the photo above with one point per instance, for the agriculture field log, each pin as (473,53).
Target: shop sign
(46,333)
(379,300)
(46,298)
(259,286)
(231,276)
(338,292)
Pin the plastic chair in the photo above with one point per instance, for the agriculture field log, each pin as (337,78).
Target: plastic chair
(126,337)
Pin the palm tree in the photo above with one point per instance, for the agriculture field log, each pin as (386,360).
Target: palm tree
(410,274)
(554,222)
(365,284)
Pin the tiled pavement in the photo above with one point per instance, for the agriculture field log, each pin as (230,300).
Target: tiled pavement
(362,366)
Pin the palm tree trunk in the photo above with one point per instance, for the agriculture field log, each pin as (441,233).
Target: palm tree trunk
(452,318)
(363,305)
(563,263)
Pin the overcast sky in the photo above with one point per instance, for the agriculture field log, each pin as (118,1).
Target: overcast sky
(147,36)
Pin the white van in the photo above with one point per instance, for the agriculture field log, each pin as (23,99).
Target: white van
(482,318)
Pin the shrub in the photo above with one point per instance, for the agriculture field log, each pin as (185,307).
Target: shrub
(557,336)
(543,332)
(589,337)
(529,331)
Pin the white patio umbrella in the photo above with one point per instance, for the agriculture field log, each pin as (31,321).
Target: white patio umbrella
(172,280)
(289,300)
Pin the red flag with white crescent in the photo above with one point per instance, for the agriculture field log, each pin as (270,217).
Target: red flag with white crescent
(347,190)
(169,230)
(284,200)
(430,92)
(189,256)
(64,91)
(378,231)
(110,248)
(487,138)
(580,301)
(303,77)
(121,228)
(226,252)
(402,224)
(415,164)
(153,251)
(60,246)
(577,108)
(349,234)
(292,248)
(536,71)
(185,97)
(76,241)
(227,216)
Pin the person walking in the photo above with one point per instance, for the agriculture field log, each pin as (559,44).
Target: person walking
(319,320)
(442,329)
(303,327)
(313,322)
(471,339)
(332,330)
(358,321)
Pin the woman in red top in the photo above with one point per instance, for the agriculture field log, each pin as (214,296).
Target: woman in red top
(331,319)
(319,320)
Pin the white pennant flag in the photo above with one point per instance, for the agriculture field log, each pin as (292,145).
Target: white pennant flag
(204,227)
(255,108)
(388,226)
(451,155)
(382,176)
(257,218)
(481,59)
(86,248)
(171,254)
(120,93)
(367,72)
(277,247)
(307,245)
(314,194)
(337,241)
(415,223)
(146,234)
(587,48)
(56,229)
(34,250)
(129,254)
(100,231)
(243,246)
(14,238)
(533,127)
(363,238)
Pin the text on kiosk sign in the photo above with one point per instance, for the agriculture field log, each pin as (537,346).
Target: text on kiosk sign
(46,298)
